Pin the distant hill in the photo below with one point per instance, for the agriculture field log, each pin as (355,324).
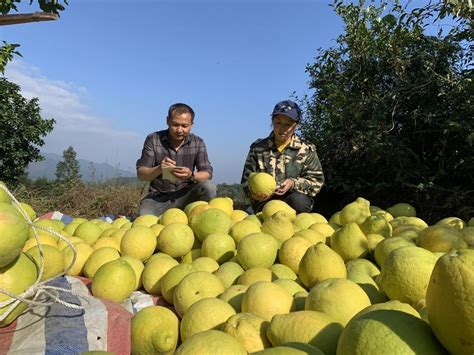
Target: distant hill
(89,171)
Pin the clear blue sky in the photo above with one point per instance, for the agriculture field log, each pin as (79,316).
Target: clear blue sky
(107,71)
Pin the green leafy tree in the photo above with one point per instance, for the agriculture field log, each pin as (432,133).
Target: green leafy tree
(67,170)
(22,130)
(392,112)
(8,49)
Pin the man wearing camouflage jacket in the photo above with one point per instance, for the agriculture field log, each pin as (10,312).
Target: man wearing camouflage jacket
(292,162)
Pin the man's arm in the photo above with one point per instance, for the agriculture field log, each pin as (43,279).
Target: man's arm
(203,166)
(145,173)
(312,178)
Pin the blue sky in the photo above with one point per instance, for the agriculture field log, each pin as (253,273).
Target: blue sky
(107,71)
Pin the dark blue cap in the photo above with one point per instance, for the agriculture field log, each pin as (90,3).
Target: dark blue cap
(289,109)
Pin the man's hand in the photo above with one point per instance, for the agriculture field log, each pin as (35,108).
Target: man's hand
(167,162)
(182,173)
(284,187)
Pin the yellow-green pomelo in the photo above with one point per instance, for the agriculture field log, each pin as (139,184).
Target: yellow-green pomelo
(254,218)
(50,224)
(44,239)
(79,220)
(279,225)
(212,342)
(238,215)
(107,232)
(146,220)
(386,246)
(323,228)
(406,272)
(197,210)
(83,251)
(273,206)
(205,263)
(139,242)
(13,232)
(193,287)
(119,222)
(156,256)
(154,330)
(385,214)
(225,204)
(30,212)
(126,225)
(468,236)
(114,281)
(311,327)
(362,265)
(304,220)
(311,236)
(335,220)
(339,298)
(255,274)
(290,285)
(63,244)
(291,349)
(16,278)
(373,240)
(89,232)
(318,218)
(70,228)
(173,215)
(218,246)
(257,250)
(189,207)
(441,238)
(210,221)
(98,258)
(283,272)
(402,209)
(172,278)
(262,183)
(241,229)
(233,295)
(4,196)
(53,261)
(118,235)
(266,299)
(191,256)
(388,332)
(106,242)
(320,263)
(249,329)
(390,305)
(104,225)
(153,273)
(350,242)
(291,252)
(137,267)
(377,224)
(355,212)
(229,273)
(157,228)
(175,239)
(450,301)
(369,286)
(205,314)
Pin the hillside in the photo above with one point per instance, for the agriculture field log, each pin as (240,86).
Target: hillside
(89,171)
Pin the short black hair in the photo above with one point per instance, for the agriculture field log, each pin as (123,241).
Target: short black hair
(180,108)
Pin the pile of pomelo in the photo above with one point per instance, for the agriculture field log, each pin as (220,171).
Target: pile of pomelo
(366,281)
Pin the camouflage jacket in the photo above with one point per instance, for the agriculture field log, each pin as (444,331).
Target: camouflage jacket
(298,161)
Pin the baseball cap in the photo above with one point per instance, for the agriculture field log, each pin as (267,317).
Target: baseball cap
(289,109)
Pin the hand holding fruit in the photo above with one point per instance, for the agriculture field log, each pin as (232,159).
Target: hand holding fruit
(284,187)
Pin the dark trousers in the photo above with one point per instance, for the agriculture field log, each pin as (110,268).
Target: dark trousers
(300,202)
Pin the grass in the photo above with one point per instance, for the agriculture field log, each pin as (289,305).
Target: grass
(93,200)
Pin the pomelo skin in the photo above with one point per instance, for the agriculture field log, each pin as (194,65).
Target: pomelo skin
(13,232)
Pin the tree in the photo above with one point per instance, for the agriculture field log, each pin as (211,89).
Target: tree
(21,132)
(47,6)
(392,114)
(67,170)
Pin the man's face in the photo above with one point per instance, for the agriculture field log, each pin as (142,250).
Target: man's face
(179,126)
(283,127)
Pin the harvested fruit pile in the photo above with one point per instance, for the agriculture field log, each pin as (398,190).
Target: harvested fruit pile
(364,281)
